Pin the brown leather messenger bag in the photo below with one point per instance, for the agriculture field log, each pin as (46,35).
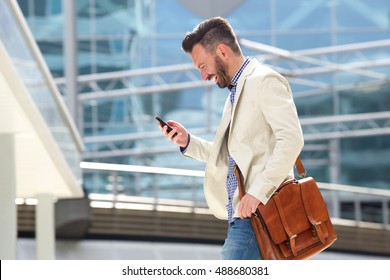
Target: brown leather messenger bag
(294,224)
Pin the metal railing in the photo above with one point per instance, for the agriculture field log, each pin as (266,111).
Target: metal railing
(345,203)
(24,52)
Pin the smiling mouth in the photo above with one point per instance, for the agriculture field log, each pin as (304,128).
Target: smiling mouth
(213,78)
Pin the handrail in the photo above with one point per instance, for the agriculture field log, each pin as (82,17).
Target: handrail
(355,189)
(33,47)
(196,173)
(139,168)
(155,203)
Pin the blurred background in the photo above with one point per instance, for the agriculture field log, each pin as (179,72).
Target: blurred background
(84,170)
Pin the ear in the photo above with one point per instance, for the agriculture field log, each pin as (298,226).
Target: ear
(223,51)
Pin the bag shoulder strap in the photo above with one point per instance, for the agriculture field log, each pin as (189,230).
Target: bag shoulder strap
(238,174)
(300,168)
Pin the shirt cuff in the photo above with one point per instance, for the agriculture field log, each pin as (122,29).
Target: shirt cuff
(183,150)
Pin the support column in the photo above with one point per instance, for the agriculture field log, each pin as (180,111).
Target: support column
(45,227)
(70,58)
(8,211)
(334,169)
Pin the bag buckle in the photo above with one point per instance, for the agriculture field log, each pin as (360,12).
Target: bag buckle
(293,236)
(303,174)
(314,229)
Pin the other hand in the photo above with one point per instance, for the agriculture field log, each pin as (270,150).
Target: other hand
(248,206)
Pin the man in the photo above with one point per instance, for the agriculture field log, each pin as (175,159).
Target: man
(259,132)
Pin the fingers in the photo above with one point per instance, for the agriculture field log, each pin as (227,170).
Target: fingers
(248,206)
(176,137)
(246,212)
(171,135)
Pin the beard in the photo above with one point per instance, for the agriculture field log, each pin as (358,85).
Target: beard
(220,72)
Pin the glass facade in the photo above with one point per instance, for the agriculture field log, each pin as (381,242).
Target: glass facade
(120,35)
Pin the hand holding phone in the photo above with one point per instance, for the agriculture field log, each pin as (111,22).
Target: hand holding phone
(163,123)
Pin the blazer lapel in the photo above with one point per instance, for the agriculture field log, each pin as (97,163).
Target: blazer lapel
(225,120)
(241,82)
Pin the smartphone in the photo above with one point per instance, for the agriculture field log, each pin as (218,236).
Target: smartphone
(163,123)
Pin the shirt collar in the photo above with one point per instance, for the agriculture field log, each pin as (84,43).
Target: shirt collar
(233,83)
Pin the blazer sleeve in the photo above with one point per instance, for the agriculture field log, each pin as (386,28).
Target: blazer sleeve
(276,103)
(198,149)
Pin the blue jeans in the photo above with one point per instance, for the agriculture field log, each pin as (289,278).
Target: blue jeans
(240,243)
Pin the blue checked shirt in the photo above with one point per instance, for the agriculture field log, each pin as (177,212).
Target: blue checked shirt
(231,182)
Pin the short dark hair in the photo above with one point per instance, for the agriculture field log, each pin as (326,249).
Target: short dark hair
(210,33)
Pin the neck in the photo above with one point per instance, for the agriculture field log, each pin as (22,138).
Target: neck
(235,64)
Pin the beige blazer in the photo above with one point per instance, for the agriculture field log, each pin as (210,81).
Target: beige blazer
(264,138)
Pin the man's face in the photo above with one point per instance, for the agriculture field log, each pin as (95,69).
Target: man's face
(210,66)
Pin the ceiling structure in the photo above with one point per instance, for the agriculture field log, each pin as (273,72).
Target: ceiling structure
(364,63)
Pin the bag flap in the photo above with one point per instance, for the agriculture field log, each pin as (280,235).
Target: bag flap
(293,209)
(314,199)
